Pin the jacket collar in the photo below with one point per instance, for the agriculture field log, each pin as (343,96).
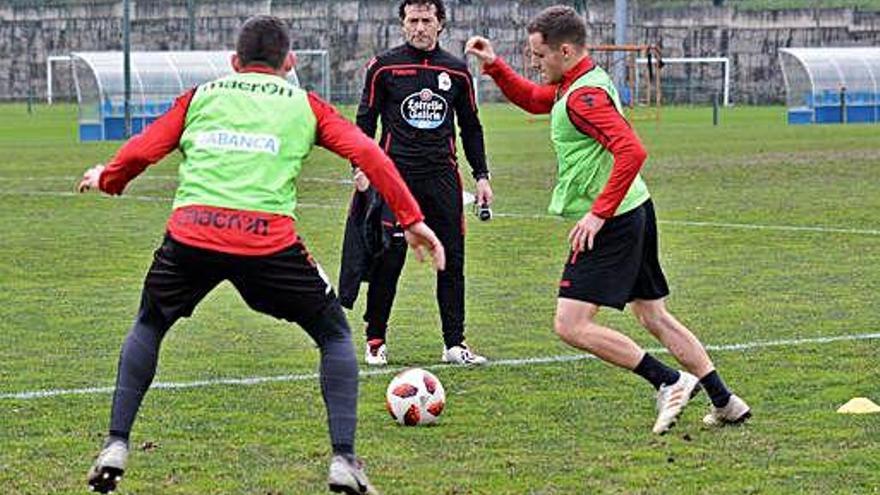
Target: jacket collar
(415,52)
(571,75)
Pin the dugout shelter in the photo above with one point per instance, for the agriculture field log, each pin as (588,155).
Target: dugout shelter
(157,78)
(831,85)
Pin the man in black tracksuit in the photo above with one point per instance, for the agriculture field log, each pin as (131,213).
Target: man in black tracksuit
(418,89)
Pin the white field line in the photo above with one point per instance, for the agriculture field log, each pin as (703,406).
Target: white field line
(331,206)
(256,380)
(781,228)
(727,225)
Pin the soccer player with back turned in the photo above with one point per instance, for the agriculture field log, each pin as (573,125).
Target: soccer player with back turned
(613,259)
(244,138)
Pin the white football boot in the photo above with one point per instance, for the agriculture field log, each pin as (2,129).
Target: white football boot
(375,355)
(461,354)
(348,477)
(671,400)
(736,411)
(107,471)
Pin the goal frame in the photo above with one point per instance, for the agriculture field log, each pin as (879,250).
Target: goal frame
(324,56)
(52,59)
(725,61)
(643,93)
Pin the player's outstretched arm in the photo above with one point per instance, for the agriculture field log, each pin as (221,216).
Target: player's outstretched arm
(158,139)
(531,97)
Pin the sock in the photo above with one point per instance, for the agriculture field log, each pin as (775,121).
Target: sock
(137,367)
(339,376)
(714,386)
(345,450)
(115,435)
(656,372)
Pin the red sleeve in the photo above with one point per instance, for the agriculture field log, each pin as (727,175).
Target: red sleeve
(346,140)
(593,113)
(158,139)
(531,97)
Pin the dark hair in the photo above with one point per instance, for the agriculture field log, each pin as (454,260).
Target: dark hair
(438,4)
(263,39)
(559,24)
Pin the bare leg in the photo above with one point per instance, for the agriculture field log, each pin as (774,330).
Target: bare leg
(680,341)
(576,326)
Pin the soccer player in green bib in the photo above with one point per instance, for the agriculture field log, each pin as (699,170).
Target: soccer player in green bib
(244,138)
(613,259)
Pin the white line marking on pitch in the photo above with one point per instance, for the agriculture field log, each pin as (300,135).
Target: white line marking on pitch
(784,228)
(726,225)
(685,223)
(38,394)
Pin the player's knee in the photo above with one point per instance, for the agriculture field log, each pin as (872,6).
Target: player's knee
(651,316)
(328,325)
(645,318)
(150,323)
(566,326)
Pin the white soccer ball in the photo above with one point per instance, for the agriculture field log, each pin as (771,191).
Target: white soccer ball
(415,397)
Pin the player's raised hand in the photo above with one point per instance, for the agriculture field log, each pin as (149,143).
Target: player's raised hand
(90,179)
(583,233)
(481,48)
(423,241)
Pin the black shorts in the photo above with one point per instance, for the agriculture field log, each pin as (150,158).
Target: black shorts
(622,266)
(287,284)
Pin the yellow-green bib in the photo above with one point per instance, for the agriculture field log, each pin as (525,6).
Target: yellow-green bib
(244,142)
(584,164)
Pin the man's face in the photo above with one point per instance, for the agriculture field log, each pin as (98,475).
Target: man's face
(545,59)
(421,28)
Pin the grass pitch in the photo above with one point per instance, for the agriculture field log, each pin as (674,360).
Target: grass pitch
(768,232)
